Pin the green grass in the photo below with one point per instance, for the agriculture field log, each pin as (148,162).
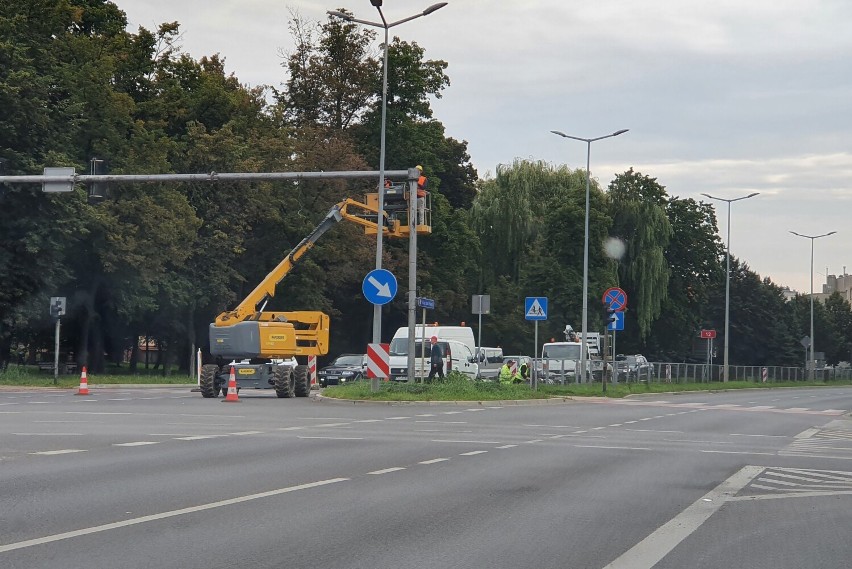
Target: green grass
(30,376)
(458,388)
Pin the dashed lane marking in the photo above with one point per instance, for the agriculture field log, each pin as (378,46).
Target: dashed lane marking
(473,452)
(387,470)
(136,444)
(53,452)
(433,461)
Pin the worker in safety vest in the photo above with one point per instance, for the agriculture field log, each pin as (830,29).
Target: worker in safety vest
(421,196)
(506,374)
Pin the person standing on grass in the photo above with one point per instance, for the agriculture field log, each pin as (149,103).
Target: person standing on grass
(436,359)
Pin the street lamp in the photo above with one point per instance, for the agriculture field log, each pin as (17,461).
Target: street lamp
(377,309)
(812,359)
(728,278)
(585,323)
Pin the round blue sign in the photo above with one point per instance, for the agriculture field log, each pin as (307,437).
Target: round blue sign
(379,286)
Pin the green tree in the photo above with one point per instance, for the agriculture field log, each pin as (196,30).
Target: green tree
(639,217)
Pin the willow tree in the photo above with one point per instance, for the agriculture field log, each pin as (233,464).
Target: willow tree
(639,217)
(510,209)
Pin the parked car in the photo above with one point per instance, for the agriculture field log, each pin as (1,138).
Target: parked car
(633,367)
(344,369)
(490,361)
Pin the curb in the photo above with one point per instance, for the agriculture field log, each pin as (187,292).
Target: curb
(488,403)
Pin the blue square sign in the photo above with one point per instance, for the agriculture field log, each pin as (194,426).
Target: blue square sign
(535,308)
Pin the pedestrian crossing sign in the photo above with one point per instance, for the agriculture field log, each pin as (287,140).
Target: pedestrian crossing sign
(535,308)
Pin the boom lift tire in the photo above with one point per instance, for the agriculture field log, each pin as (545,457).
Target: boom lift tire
(209,388)
(284,381)
(303,381)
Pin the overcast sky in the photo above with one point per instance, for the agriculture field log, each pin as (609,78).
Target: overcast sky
(725,97)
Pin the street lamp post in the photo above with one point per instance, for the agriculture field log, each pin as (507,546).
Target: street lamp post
(728,279)
(377,309)
(812,358)
(585,323)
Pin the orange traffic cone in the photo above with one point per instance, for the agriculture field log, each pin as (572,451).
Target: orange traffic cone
(84,384)
(232,396)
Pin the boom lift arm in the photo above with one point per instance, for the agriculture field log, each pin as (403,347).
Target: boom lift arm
(249,332)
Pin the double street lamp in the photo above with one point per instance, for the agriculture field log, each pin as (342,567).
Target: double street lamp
(812,358)
(585,323)
(384,24)
(728,278)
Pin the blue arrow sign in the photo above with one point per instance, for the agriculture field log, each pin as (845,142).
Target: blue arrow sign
(379,286)
(617,322)
(535,308)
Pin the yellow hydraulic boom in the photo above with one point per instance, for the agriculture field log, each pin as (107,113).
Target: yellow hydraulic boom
(249,332)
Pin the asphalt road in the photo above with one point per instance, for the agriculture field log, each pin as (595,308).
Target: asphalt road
(127,478)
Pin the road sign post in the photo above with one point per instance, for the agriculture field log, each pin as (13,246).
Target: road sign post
(535,308)
(423,303)
(481,304)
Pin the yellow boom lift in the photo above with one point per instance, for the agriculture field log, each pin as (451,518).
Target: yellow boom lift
(260,345)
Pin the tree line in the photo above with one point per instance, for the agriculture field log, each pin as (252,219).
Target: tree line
(159,261)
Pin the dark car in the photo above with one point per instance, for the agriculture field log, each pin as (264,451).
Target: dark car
(634,367)
(344,369)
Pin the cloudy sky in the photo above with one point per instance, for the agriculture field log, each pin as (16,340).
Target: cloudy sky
(725,97)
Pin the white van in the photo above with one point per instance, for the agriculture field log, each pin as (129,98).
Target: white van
(561,362)
(463,334)
(457,354)
(490,361)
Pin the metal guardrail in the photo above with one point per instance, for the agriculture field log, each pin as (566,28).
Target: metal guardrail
(678,372)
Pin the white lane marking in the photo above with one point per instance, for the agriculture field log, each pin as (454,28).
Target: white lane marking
(473,452)
(736,452)
(329,425)
(532,442)
(615,425)
(766,436)
(807,433)
(612,447)
(597,428)
(395,418)
(581,436)
(475,409)
(442,422)
(803,494)
(49,434)
(797,409)
(646,419)
(98,413)
(199,437)
(699,442)
(507,446)
(451,412)
(439,431)
(200,424)
(835,411)
(10,412)
(168,435)
(241,433)
(433,461)
(555,426)
(136,444)
(651,431)
(427,415)
(580,432)
(335,438)
(163,515)
(474,442)
(629,422)
(9,403)
(368,421)
(121,399)
(291,428)
(780,482)
(67,421)
(52,452)
(649,551)
(386,470)
(39,402)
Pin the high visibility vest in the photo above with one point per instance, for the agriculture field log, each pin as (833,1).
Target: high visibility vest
(421,186)
(505,374)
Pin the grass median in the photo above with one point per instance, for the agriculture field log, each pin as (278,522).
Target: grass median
(30,376)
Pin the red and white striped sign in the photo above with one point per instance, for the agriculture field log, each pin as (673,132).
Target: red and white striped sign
(764,373)
(312,369)
(378,360)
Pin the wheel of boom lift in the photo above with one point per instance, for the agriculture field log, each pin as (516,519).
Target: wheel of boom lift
(285,382)
(207,383)
(303,381)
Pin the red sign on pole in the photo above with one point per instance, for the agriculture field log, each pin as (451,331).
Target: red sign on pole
(378,360)
(708,334)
